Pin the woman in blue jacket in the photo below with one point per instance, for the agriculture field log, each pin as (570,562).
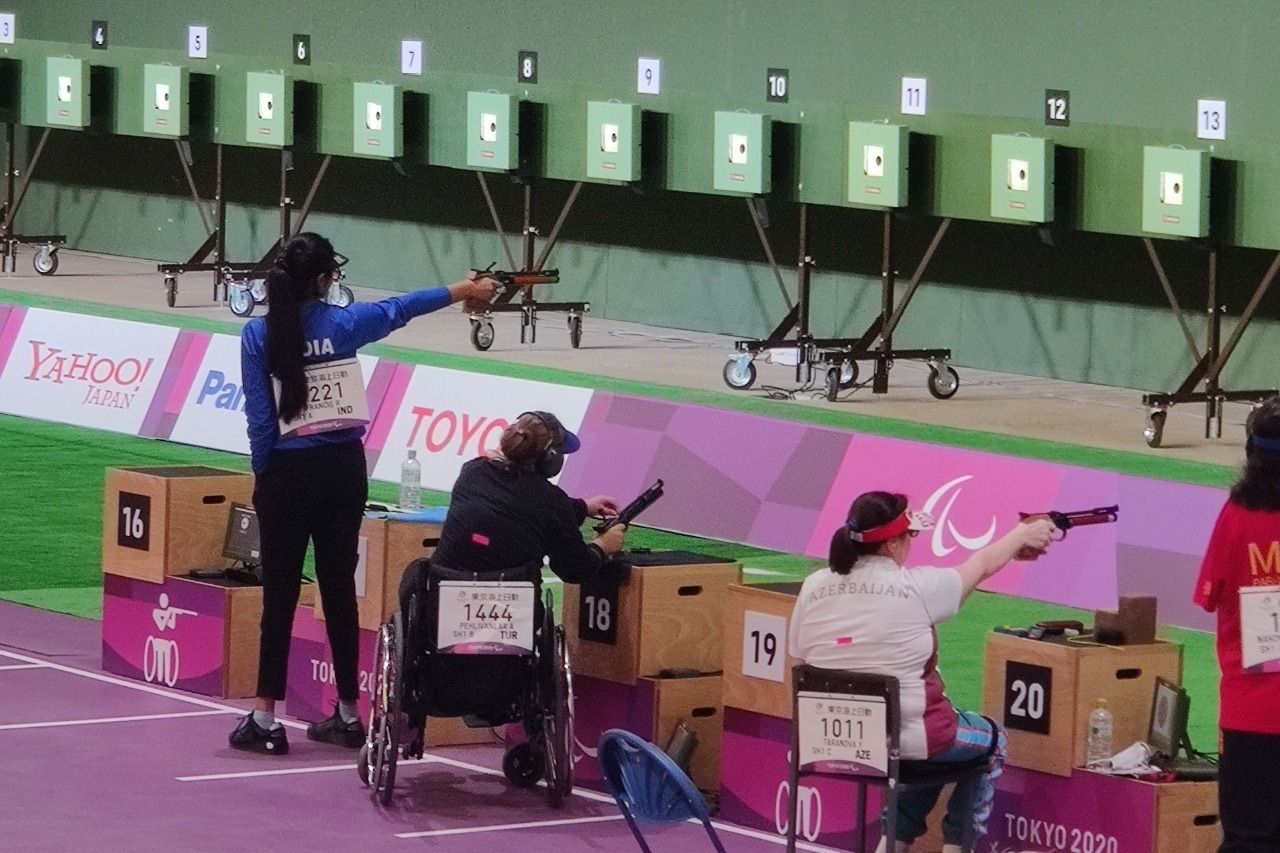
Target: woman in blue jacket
(306,407)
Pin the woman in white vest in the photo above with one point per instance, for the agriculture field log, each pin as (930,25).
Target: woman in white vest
(867,612)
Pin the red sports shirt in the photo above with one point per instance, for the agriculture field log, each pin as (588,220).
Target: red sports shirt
(1243,551)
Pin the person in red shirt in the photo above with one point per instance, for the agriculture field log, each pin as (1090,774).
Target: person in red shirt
(1241,561)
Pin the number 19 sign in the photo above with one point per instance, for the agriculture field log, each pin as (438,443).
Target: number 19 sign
(843,734)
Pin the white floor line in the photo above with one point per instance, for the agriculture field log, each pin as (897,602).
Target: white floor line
(93,722)
(9,666)
(502,827)
(749,571)
(290,771)
(140,687)
(216,706)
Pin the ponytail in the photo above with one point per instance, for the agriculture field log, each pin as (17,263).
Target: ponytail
(291,282)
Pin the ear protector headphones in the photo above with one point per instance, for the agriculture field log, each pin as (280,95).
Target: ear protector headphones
(550,460)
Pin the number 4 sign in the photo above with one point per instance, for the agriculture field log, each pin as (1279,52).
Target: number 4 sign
(764,646)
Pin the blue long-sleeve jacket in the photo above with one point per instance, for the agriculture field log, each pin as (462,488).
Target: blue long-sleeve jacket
(332,334)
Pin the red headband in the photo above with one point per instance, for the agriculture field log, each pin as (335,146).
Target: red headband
(883,533)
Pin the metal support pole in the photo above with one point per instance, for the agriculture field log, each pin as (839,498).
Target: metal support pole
(311,195)
(191,184)
(768,251)
(880,378)
(497,221)
(555,229)
(1173,300)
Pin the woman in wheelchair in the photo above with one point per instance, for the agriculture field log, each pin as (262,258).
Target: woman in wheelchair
(505,517)
(867,612)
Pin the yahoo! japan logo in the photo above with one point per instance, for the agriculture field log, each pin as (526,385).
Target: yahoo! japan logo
(945,531)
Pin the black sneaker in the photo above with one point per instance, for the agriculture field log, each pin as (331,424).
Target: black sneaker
(250,736)
(337,731)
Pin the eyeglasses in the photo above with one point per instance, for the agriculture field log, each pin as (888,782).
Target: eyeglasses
(339,261)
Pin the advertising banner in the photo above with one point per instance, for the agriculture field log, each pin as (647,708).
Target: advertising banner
(87,371)
(450,417)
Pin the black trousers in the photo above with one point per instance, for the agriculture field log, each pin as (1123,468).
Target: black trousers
(1248,782)
(316,494)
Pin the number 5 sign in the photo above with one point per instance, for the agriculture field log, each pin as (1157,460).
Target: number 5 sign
(764,646)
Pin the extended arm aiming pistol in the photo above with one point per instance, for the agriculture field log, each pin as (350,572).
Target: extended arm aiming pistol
(629,512)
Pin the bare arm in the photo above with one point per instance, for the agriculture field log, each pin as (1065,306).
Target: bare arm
(985,562)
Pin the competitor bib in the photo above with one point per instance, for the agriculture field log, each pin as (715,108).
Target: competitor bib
(335,399)
(842,734)
(1260,629)
(485,618)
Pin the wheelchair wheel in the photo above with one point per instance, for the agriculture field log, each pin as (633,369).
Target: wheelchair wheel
(557,723)
(383,739)
(523,765)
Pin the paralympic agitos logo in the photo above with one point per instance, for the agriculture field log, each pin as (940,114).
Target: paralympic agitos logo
(945,531)
(112,383)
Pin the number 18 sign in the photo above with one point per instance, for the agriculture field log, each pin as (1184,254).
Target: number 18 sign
(843,734)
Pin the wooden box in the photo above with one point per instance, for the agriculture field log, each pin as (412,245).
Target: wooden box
(650,708)
(669,615)
(387,547)
(1100,812)
(757,670)
(168,520)
(312,690)
(196,635)
(1042,691)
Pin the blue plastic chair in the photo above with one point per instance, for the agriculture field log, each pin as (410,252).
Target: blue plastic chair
(649,786)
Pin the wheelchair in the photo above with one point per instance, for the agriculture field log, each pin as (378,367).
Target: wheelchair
(487,676)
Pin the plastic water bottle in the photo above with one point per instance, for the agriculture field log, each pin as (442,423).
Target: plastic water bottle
(410,481)
(1098,748)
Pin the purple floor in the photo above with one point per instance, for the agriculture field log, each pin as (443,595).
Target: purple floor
(96,762)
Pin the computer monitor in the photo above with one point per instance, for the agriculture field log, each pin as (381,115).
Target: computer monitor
(1168,730)
(242,543)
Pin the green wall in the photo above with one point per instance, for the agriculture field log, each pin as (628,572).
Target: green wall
(673,252)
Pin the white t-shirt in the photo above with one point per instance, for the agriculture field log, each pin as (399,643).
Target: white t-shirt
(879,619)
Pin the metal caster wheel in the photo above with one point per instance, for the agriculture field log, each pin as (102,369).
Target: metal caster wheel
(575,331)
(46,261)
(848,375)
(240,300)
(1153,432)
(943,381)
(523,766)
(341,296)
(739,373)
(362,764)
(170,291)
(481,334)
(833,383)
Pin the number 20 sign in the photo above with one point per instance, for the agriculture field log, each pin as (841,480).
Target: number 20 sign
(764,646)
(1028,690)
